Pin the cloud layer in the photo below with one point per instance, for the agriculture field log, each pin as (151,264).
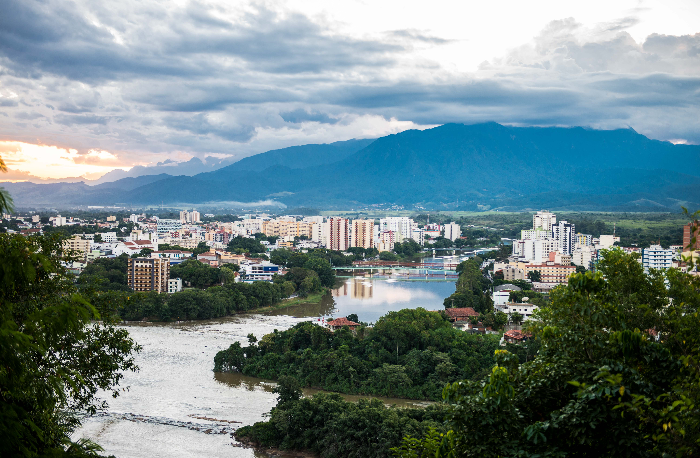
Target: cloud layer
(150,80)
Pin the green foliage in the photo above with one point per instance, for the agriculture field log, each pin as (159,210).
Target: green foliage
(245,245)
(331,427)
(196,273)
(410,353)
(55,356)
(472,288)
(535,276)
(105,274)
(407,248)
(388,256)
(617,374)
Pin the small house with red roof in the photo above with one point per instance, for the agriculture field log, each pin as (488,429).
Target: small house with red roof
(515,336)
(340,322)
(460,314)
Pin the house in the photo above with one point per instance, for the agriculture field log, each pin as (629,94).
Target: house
(460,314)
(340,322)
(515,336)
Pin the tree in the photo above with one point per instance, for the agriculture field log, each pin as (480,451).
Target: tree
(245,245)
(56,355)
(98,238)
(534,276)
(580,269)
(388,256)
(516,318)
(617,374)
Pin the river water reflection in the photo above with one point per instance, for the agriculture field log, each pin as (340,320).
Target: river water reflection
(177,407)
(372,298)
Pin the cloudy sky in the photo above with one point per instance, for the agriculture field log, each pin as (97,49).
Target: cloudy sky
(89,86)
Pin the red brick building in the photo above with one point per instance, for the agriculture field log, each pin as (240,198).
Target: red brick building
(687,231)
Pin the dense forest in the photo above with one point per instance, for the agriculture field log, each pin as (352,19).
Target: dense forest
(331,427)
(614,373)
(409,353)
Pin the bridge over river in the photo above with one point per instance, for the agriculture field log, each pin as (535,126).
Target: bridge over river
(404,270)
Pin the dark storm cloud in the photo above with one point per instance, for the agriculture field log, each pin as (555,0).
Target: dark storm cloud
(51,37)
(300,115)
(136,76)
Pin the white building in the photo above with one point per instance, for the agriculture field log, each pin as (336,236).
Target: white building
(59,220)
(400,225)
(584,240)
(418,235)
(453,231)
(605,242)
(168,225)
(583,256)
(565,234)
(174,285)
(262,271)
(544,220)
(387,239)
(535,234)
(109,237)
(524,309)
(656,257)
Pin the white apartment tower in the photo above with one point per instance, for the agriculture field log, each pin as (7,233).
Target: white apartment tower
(398,224)
(453,231)
(544,220)
(565,234)
(362,233)
(339,234)
(656,257)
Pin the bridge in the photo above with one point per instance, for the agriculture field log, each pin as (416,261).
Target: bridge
(405,270)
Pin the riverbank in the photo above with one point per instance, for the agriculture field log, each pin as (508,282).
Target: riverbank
(314,298)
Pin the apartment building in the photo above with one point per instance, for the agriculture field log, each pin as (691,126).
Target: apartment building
(362,233)
(339,234)
(148,274)
(544,220)
(453,231)
(401,225)
(583,240)
(550,272)
(168,225)
(656,257)
(565,234)
(286,229)
(77,245)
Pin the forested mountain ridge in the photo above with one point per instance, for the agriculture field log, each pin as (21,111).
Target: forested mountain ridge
(455,166)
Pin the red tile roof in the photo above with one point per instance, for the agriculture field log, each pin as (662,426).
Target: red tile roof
(461,313)
(342,322)
(517,335)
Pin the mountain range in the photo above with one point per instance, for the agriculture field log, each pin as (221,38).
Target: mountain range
(453,166)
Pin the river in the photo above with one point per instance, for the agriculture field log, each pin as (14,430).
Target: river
(176,406)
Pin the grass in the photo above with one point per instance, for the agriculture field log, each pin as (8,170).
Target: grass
(314,298)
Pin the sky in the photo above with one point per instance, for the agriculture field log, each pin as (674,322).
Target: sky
(90,86)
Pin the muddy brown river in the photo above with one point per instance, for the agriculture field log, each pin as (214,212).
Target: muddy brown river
(176,406)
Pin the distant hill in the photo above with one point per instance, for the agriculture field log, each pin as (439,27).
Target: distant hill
(455,166)
(298,157)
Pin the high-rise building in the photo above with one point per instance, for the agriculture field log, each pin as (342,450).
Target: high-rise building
(584,240)
(565,234)
(362,233)
(544,220)
(656,257)
(148,274)
(401,225)
(453,231)
(339,234)
(690,231)
(168,225)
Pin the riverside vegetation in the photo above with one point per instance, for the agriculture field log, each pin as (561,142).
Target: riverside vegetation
(213,293)
(617,374)
(411,353)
